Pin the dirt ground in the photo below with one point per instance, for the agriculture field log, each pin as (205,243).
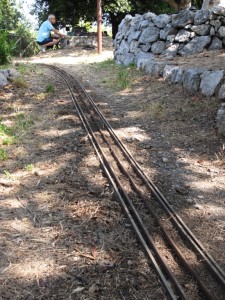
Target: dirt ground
(63,235)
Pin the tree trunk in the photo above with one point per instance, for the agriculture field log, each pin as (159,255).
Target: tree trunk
(115,20)
(179,4)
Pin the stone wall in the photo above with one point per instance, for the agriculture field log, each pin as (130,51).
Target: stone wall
(144,38)
(148,36)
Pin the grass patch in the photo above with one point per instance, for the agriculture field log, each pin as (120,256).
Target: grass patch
(49,88)
(123,79)
(7,136)
(20,82)
(9,140)
(7,66)
(8,175)
(159,110)
(3,154)
(117,77)
(29,168)
(5,130)
(26,69)
(23,122)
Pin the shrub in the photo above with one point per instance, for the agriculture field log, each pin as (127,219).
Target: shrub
(5,49)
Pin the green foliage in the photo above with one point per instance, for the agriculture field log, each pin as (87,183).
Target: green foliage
(9,15)
(29,167)
(123,79)
(5,130)
(23,122)
(3,154)
(20,82)
(49,88)
(7,136)
(8,175)
(9,140)
(5,49)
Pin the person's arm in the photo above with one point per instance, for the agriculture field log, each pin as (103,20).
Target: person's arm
(57,32)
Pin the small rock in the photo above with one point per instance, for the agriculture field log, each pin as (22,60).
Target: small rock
(3,80)
(210,81)
(201,29)
(183,36)
(216,44)
(13,73)
(198,206)
(190,201)
(158,47)
(196,45)
(182,19)
(165,160)
(200,197)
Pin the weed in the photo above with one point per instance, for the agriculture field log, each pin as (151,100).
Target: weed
(7,135)
(123,79)
(49,88)
(3,154)
(26,69)
(8,175)
(9,140)
(23,121)
(121,76)
(11,108)
(5,130)
(20,82)
(20,116)
(29,168)
(159,110)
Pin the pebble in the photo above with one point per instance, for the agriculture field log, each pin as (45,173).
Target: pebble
(200,197)
(198,206)
(127,225)
(165,160)
(191,201)
(129,263)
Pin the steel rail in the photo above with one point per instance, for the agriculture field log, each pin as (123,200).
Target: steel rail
(170,241)
(177,221)
(120,193)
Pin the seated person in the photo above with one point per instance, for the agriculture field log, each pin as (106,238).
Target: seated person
(44,38)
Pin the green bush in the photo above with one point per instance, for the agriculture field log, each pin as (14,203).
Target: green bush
(5,49)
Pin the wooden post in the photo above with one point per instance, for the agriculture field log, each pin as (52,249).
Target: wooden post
(99,20)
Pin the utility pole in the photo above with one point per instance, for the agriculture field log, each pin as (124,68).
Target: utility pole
(99,20)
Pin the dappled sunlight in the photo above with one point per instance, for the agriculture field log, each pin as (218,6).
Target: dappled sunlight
(70,59)
(133,133)
(34,269)
(54,132)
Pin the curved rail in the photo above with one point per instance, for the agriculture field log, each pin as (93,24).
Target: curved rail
(141,231)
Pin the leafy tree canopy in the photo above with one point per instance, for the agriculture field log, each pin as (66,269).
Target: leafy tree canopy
(72,11)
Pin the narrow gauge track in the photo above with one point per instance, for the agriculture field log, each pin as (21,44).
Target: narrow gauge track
(153,219)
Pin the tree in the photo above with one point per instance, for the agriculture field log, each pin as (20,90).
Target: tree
(9,15)
(72,11)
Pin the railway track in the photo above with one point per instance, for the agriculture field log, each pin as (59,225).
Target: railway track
(184,267)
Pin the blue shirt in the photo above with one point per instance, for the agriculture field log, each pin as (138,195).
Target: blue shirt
(44,31)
